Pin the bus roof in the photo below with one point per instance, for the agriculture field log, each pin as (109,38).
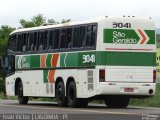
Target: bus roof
(94,20)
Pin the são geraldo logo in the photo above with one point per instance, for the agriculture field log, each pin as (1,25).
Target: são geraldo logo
(22,62)
(120,37)
(123,38)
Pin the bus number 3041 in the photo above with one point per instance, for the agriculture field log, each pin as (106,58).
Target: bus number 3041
(121,25)
(88,58)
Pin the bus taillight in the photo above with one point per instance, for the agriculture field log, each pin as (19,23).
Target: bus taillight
(102,75)
(154,76)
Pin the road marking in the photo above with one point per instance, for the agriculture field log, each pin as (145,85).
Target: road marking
(73,109)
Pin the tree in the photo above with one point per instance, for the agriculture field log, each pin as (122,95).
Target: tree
(52,21)
(39,20)
(26,24)
(65,20)
(35,21)
(5,30)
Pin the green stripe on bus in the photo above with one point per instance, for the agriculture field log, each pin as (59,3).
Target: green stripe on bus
(126,59)
(151,34)
(62,57)
(45,76)
(48,60)
(35,61)
(91,59)
(69,60)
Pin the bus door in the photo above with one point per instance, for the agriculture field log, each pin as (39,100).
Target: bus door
(8,64)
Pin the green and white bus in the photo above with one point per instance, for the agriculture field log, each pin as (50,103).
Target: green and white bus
(109,58)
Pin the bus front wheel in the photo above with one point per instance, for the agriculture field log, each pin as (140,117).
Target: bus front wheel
(22,99)
(117,101)
(60,95)
(72,97)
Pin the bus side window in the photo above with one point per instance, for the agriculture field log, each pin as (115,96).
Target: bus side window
(56,42)
(24,45)
(91,35)
(43,40)
(76,36)
(94,34)
(31,46)
(36,42)
(19,43)
(63,38)
(69,38)
(82,42)
(51,39)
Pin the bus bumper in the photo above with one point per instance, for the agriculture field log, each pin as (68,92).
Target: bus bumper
(137,89)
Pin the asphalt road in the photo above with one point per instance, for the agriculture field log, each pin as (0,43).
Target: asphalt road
(49,110)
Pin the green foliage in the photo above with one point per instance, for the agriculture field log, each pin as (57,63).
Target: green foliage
(5,30)
(26,24)
(151,102)
(2,85)
(65,20)
(39,20)
(52,21)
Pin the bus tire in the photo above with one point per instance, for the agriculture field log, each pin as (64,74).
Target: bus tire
(60,94)
(72,96)
(22,99)
(117,101)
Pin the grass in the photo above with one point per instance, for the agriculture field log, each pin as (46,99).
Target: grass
(149,102)
(32,99)
(8,97)
(43,99)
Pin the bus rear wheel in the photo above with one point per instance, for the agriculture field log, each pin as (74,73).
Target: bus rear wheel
(60,95)
(72,97)
(117,101)
(22,99)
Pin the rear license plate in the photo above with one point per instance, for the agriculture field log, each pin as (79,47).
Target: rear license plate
(128,89)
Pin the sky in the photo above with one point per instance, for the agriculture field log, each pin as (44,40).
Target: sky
(11,11)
